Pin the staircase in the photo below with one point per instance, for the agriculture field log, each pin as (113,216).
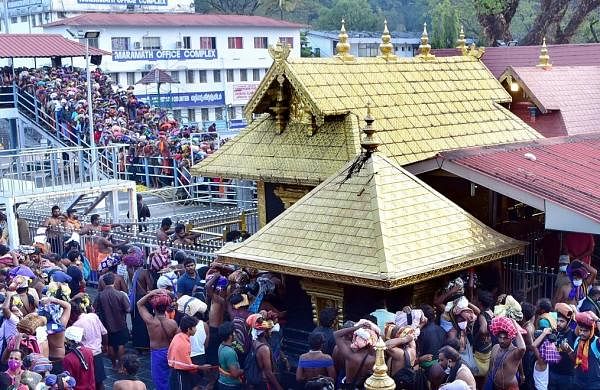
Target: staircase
(86,203)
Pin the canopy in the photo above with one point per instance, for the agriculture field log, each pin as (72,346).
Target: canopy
(157,76)
(43,46)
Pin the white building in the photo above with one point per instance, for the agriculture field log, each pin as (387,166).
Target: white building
(219,60)
(362,44)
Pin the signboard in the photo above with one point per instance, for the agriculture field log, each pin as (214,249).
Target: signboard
(22,3)
(237,123)
(243,92)
(124,2)
(186,99)
(164,55)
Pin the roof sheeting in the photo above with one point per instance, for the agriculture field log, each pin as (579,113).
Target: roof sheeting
(171,20)
(157,76)
(379,226)
(571,89)
(42,45)
(422,108)
(497,59)
(565,170)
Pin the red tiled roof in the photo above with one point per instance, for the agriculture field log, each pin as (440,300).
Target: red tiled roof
(171,20)
(566,170)
(42,45)
(497,59)
(571,89)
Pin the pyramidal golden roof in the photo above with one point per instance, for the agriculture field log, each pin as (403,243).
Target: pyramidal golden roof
(423,107)
(372,224)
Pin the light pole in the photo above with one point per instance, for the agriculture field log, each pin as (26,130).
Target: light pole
(94,150)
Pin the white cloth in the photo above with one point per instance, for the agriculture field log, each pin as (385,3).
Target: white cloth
(198,339)
(540,378)
(458,384)
(74,333)
(41,334)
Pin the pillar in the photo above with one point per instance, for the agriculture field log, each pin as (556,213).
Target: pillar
(262,204)
(324,294)
(114,200)
(380,380)
(133,215)
(11,224)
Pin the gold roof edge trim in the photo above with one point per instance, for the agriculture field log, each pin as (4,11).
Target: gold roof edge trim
(261,263)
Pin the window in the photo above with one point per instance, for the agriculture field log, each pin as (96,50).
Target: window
(187,42)
(191,115)
(204,114)
(189,76)
(230,78)
(61,15)
(255,74)
(261,42)
(208,43)
(235,43)
(47,16)
(217,76)
(175,75)
(203,76)
(24,18)
(231,112)
(151,43)
(40,19)
(93,42)
(130,78)
(177,114)
(219,113)
(119,43)
(144,74)
(288,40)
(368,49)
(243,75)
(14,19)
(33,21)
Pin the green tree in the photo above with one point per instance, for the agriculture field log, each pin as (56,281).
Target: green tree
(358,14)
(443,29)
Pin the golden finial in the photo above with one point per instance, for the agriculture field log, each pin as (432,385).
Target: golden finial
(544,56)
(425,47)
(461,43)
(475,52)
(385,47)
(279,52)
(343,47)
(380,380)
(368,142)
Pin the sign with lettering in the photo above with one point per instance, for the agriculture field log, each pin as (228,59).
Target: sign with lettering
(22,3)
(243,92)
(164,55)
(186,99)
(124,2)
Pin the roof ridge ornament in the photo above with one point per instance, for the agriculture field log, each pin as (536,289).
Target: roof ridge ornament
(461,42)
(343,46)
(279,52)
(386,48)
(476,52)
(380,380)
(544,57)
(425,47)
(368,142)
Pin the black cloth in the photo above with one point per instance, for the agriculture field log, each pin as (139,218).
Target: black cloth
(329,340)
(565,365)
(116,339)
(99,372)
(432,338)
(589,380)
(212,349)
(181,380)
(76,277)
(589,305)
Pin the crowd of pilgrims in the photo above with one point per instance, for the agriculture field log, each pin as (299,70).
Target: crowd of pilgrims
(217,325)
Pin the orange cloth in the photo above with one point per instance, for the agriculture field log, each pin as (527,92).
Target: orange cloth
(179,353)
(94,256)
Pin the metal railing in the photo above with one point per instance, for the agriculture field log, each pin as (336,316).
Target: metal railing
(27,170)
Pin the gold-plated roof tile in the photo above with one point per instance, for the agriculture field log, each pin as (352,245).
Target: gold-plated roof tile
(387,229)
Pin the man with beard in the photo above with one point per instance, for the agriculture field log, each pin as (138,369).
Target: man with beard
(261,332)
(359,355)
(587,352)
(561,373)
(451,362)
(505,359)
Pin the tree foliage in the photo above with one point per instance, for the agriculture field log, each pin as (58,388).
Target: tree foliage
(358,14)
(443,29)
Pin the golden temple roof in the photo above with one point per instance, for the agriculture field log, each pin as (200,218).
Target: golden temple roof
(423,107)
(371,224)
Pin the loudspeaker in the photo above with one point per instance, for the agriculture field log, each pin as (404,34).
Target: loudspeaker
(96,60)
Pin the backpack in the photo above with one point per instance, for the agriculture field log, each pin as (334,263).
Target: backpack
(252,371)
(241,337)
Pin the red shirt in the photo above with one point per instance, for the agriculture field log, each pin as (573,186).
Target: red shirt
(579,243)
(85,378)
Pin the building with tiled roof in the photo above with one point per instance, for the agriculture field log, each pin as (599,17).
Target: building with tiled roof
(555,100)
(497,59)
(308,107)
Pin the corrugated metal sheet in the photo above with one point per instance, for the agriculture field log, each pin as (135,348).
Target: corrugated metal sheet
(42,45)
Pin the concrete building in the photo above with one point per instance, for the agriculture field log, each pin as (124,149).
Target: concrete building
(362,44)
(218,60)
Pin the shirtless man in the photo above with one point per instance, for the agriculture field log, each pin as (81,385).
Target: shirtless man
(181,237)
(162,234)
(72,220)
(161,331)
(583,277)
(505,359)
(56,341)
(93,226)
(359,355)
(402,342)
(216,294)
(55,220)
(131,365)
(314,363)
